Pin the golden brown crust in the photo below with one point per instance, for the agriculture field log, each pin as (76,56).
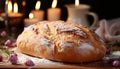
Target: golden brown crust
(61,41)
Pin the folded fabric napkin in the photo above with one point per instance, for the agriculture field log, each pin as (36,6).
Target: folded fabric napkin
(109,30)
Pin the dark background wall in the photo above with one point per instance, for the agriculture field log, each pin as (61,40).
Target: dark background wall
(107,9)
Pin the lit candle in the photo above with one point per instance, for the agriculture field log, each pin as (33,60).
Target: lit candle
(31,20)
(9,7)
(14,16)
(13,13)
(15,10)
(77,2)
(54,13)
(38,14)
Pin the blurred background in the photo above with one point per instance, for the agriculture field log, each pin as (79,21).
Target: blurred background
(107,9)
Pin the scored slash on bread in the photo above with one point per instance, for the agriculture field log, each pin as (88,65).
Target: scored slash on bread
(61,41)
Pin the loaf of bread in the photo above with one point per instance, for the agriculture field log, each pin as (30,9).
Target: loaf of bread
(61,41)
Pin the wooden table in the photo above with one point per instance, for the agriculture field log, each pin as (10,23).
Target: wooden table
(91,65)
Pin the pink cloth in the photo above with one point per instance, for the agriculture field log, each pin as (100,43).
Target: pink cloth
(109,30)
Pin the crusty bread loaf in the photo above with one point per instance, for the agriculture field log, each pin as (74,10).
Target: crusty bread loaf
(61,41)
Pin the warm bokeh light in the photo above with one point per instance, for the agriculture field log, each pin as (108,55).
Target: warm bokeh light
(15,7)
(54,3)
(38,4)
(23,3)
(77,3)
(9,6)
(31,15)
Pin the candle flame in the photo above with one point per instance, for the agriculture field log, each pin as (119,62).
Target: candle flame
(54,3)
(15,7)
(9,6)
(77,3)
(31,15)
(38,4)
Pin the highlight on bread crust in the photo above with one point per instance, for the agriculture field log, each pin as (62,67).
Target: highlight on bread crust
(61,41)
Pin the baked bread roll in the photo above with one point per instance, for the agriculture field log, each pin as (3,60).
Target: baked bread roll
(61,41)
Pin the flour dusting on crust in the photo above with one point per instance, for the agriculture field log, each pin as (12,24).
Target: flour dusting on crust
(85,48)
(44,41)
(70,27)
(64,45)
(57,39)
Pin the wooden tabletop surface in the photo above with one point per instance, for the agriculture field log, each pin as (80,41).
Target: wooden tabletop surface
(91,65)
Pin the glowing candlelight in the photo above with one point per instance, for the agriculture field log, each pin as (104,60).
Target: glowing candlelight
(14,16)
(9,6)
(38,4)
(54,4)
(31,20)
(77,3)
(77,13)
(54,13)
(12,11)
(15,8)
(38,14)
(31,15)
